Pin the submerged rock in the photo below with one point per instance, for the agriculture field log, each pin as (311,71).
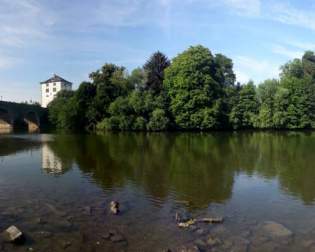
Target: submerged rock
(66,244)
(188,248)
(54,210)
(200,243)
(200,231)
(308,243)
(40,221)
(13,234)
(114,236)
(276,230)
(88,210)
(117,238)
(212,241)
(43,235)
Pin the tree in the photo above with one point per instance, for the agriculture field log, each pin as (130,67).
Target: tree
(154,69)
(121,116)
(193,91)
(85,97)
(243,115)
(308,63)
(266,96)
(110,82)
(224,70)
(158,120)
(138,78)
(295,104)
(63,111)
(292,69)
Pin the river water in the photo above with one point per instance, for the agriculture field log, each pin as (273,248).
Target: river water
(57,190)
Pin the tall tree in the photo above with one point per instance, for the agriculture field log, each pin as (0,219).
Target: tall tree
(85,97)
(193,90)
(154,69)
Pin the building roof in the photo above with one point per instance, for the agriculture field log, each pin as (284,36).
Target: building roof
(55,78)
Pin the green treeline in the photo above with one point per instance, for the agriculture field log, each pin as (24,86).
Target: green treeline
(195,91)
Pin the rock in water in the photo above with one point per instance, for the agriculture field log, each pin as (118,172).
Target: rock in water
(117,238)
(13,234)
(188,248)
(276,230)
(114,207)
(212,241)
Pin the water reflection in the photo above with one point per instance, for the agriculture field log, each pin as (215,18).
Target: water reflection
(12,145)
(51,163)
(200,168)
(5,130)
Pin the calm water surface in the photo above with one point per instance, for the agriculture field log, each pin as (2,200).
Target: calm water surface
(57,189)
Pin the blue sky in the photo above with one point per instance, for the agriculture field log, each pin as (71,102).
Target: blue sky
(74,37)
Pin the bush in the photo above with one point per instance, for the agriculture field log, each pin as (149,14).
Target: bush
(158,121)
(139,123)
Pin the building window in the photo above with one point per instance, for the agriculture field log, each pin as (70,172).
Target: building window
(54,89)
(47,90)
(54,84)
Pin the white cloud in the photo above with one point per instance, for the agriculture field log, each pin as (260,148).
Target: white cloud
(284,51)
(258,70)
(305,46)
(131,13)
(245,7)
(288,14)
(22,21)
(7,62)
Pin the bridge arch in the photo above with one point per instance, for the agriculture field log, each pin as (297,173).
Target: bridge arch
(6,121)
(31,118)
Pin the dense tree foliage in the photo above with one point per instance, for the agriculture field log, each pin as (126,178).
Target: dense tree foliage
(154,69)
(197,90)
(244,113)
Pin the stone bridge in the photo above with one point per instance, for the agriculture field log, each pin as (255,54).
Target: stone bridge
(17,114)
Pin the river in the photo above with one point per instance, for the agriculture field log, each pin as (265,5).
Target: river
(57,188)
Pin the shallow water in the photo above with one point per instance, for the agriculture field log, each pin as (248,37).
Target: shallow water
(57,190)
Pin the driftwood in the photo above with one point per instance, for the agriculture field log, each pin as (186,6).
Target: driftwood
(190,222)
(186,224)
(212,220)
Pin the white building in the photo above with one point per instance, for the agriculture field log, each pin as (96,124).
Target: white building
(51,87)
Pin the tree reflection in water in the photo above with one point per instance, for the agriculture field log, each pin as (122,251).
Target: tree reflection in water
(197,167)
